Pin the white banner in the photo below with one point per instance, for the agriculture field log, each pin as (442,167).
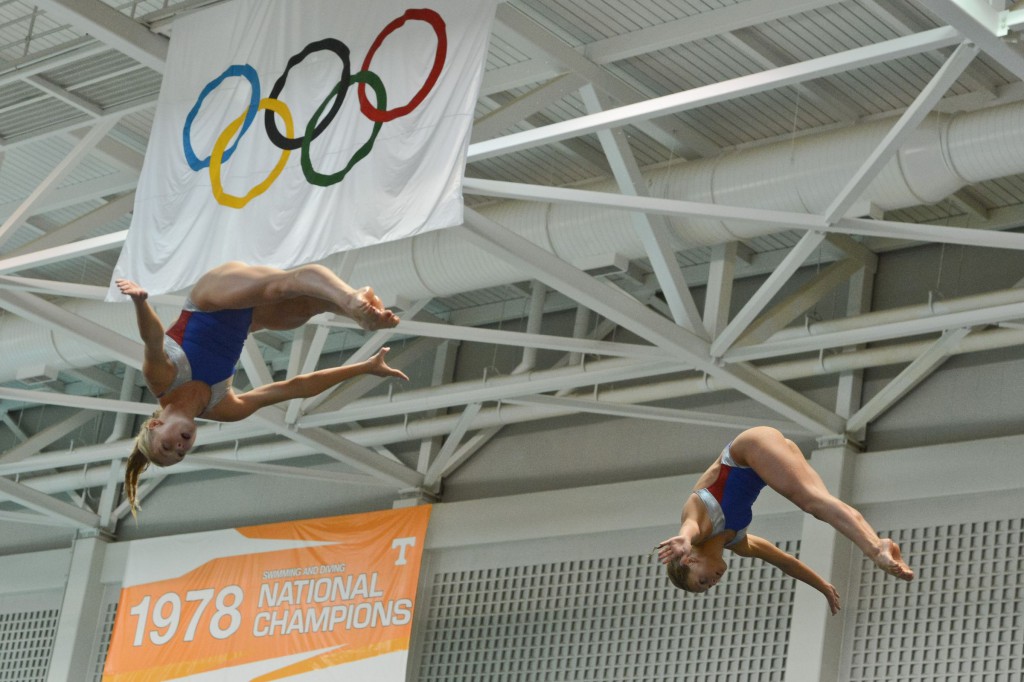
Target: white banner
(288,130)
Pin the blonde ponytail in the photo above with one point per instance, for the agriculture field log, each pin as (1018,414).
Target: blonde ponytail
(138,461)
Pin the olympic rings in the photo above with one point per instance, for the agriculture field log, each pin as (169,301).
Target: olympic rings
(319,179)
(272,106)
(380,113)
(323,117)
(246,72)
(335,46)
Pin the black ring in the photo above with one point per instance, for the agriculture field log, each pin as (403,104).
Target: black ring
(333,45)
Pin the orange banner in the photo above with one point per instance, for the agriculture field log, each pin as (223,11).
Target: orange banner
(325,599)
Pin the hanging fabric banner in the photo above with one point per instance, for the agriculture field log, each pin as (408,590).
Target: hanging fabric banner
(289,130)
(326,599)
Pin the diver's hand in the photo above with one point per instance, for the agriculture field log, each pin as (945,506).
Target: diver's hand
(832,596)
(132,290)
(674,549)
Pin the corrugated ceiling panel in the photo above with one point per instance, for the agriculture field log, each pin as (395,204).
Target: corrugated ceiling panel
(91,68)
(38,115)
(24,167)
(23,31)
(1001,192)
(13,94)
(139,85)
(134,128)
(503,53)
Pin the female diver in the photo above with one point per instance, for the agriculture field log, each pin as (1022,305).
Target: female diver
(716,515)
(189,368)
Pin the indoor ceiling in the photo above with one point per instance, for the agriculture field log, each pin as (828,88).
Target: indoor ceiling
(648,131)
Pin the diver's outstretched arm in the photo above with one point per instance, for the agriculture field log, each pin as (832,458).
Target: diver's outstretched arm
(759,548)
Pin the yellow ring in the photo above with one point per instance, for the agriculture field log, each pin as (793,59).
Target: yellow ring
(230,200)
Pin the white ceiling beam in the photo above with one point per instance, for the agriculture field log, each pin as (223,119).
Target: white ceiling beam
(307,346)
(435,472)
(918,232)
(54,317)
(799,302)
(31,204)
(114,151)
(916,372)
(37,519)
(106,381)
(969,203)
(521,339)
(114,29)
(57,254)
(756,303)
(654,231)
(323,441)
(653,38)
(905,18)
(908,122)
(345,393)
(13,426)
(718,92)
(718,293)
(703,25)
(106,505)
(201,461)
(653,413)
(342,449)
(674,388)
(591,161)
(819,94)
(494,388)
(43,503)
(850,386)
(47,286)
(78,228)
(65,127)
(983,25)
(520,108)
(71,99)
(627,312)
(879,332)
(924,232)
(51,58)
(679,137)
(80,402)
(442,373)
(47,436)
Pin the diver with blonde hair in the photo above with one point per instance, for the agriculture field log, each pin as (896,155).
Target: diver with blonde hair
(716,515)
(190,366)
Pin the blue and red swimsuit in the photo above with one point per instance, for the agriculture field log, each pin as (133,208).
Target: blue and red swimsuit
(205,346)
(730,498)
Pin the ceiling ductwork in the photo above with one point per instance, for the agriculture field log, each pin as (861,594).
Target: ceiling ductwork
(802,175)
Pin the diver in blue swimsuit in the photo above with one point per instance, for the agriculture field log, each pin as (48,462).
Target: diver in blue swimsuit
(190,367)
(715,517)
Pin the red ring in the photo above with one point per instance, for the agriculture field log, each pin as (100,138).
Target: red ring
(437,23)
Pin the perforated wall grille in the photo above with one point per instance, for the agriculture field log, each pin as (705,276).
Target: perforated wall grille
(106,627)
(615,619)
(26,643)
(962,619)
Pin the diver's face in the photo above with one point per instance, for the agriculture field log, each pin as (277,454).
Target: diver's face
(170,439)
(705,572)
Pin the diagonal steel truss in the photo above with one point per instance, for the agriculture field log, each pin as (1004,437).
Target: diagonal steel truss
(454,419)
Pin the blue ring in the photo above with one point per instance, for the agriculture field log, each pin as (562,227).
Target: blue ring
(247,72)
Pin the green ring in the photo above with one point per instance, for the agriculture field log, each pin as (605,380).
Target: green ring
(322,179)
